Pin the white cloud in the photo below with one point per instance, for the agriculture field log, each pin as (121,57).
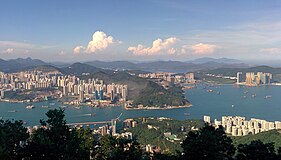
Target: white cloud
(8,51)
(78,49)
(159,46)
(14,44)
(61,53)
(271,50)
(100,41)
(198,49)
(203,49)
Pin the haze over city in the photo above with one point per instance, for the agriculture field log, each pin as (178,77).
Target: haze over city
(146,30)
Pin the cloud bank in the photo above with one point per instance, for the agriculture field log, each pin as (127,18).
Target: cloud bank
(168,47)
(8,51)
(271,50)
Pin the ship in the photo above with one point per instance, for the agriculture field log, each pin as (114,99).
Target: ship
(268,96)
(77,107)
(12,111)
(29,107)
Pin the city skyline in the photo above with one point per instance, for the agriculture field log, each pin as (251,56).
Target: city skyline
(147,30)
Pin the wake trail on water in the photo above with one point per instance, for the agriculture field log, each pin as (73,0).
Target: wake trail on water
(82,115)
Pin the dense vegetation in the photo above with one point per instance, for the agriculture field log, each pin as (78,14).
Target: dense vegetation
(155,136)
(55,140)
(143,91)
(265,137)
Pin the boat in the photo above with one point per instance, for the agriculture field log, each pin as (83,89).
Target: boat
(93,114)
(209,90)
(52,104)
(12,111)
(187,114)
(63,106)
(77,107)
(44,106)
(268,96)
(232,105)
(254,95)
(29,107)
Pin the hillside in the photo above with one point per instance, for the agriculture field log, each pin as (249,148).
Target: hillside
(143,91)
(266,137)
(15,65)
(80,68)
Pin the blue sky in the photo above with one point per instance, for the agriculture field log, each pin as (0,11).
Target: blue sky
(69,30)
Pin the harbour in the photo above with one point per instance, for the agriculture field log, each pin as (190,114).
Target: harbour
(228,102)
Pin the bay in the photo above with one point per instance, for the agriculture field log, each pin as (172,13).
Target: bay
(222,100)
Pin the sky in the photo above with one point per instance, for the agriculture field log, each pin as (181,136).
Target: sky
(146,30)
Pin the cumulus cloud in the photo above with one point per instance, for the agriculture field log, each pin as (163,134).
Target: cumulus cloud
(8,51)
(100,41)
(202,49)
(78,49)
(271,50)
(158,46)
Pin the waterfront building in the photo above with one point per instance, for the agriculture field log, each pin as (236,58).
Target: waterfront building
(239,77)
(2,93)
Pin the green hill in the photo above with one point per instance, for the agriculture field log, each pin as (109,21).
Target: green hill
(266,137)
(143,91)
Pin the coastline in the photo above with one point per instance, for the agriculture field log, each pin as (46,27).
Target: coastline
(157,108)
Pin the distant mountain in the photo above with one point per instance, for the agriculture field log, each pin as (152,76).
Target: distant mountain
(219,60)
(167,66)
(120,65)
(276,72)
(14,65)
(25,62)
(79,68)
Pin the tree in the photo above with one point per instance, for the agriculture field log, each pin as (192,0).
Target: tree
(256,150)
(11,135)
(208,143)
(54,140)
(115,148)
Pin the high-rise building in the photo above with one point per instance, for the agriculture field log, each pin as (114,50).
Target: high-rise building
(2,93)
(113,126)
(81,96)
(101,94)
(239,77)
(207,119)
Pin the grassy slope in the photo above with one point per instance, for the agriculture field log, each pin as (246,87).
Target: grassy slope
(266,137)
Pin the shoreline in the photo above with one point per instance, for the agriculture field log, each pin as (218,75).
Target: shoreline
(157,108)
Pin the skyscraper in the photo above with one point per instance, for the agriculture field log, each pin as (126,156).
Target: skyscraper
(239,77)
